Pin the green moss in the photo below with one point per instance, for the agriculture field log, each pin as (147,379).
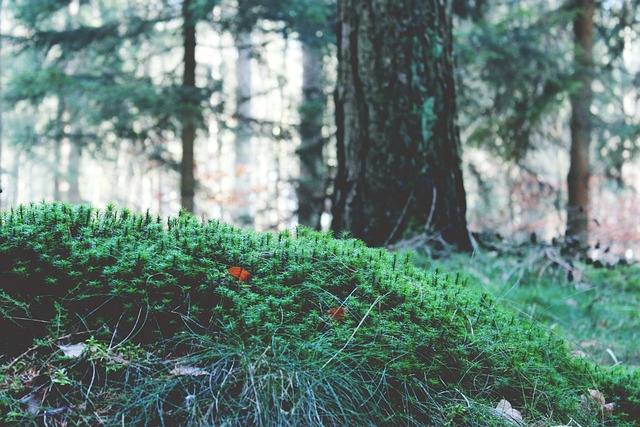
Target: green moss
(172,337)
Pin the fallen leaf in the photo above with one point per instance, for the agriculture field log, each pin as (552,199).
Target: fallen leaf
(72,350)
(188,370)
(578,353)
(505,409)
(239,273)
(337,313)
(596,399)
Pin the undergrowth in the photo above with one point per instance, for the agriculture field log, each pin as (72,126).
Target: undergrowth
(114,318)
(593,304)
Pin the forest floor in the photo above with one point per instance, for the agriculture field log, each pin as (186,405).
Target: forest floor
(595,306)
(112,318)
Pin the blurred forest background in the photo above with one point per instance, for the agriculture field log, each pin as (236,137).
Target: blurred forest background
(100,99)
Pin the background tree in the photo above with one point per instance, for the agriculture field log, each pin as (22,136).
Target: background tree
(581,101)
(398,144)
(1,96)
(315,35)
(189,105)
(96,62)
(97,83)
(519,73)
(311,186)
(311,23)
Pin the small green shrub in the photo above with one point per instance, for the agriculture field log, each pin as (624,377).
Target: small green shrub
(168,336)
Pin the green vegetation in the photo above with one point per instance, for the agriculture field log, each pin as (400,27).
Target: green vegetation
(112,318)
(594,305)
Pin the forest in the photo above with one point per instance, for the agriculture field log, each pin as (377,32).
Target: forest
(320,212)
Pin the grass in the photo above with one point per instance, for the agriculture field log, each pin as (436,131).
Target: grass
(594,306)
(112,318)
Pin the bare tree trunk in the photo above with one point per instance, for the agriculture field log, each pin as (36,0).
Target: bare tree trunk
(241,210)
(577,232)
(188,135)
(58,161)
(1,143)
(74,160)
(311,184)
(1,106)
(399,168)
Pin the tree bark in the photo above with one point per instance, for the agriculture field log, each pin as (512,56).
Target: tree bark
(577,232)
(188,134)
(399,170)
(310,189)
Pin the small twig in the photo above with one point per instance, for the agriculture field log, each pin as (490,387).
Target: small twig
(354,332)
(131,333)
(613,356)
(56,411)
(30,320)
(400,219)
(433,209)
(29,350)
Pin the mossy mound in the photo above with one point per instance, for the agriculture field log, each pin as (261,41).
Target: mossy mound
(112,317)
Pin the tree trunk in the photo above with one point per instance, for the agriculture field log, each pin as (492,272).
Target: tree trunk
(58,170)
(398,143)
(310,190)
(1,109)
(577,233)
(73,172)
(240,211)
(188,135)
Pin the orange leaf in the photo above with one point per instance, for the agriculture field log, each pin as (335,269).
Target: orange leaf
(337,313)
(239,273)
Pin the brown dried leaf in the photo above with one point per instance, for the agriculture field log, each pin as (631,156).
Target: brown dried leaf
(337,313)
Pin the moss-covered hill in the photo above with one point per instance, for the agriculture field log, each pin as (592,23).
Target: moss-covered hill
(111,318)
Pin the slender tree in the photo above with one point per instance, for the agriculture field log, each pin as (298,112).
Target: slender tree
(398,143)
(316,31)
(240,210)
(1,106)
(188,133)
(577,232)
(311,188)
(99,62)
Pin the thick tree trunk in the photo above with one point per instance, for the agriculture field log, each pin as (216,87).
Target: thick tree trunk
(310,190)
(577,233)
(188,136)
(398,143)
